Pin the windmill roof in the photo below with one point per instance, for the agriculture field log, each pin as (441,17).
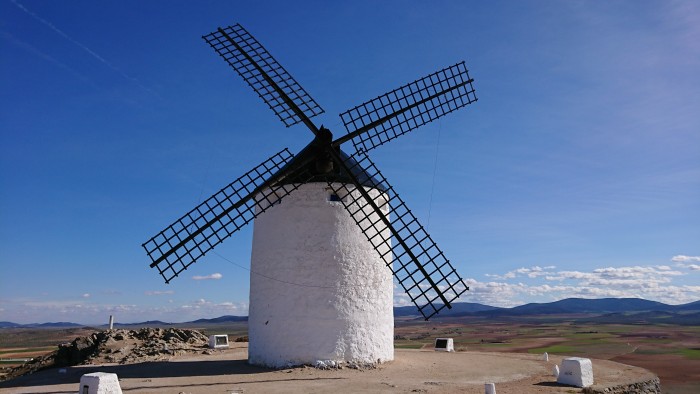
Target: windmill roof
(307,173)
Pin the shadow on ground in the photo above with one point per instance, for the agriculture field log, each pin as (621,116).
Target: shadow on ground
(152,370)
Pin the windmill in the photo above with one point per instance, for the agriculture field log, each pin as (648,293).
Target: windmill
(320,288)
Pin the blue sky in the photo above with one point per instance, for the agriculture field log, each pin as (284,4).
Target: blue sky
(576,174)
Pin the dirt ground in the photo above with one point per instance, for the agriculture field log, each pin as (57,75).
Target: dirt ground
(683,377)
(656,348)
(412,371)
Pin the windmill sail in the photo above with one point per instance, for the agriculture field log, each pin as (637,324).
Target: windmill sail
(262,72)
(200,230)
(393,114)
(425,274)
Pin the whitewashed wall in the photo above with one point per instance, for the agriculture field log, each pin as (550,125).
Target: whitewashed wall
(318,290)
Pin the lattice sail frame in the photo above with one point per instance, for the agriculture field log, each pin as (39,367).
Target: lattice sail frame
(393,114)
(189,238)
(238,53)
(414,283)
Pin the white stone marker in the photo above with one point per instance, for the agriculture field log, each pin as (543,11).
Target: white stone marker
(545,356)
(490,388)
(218,341)
(444,345)
(99,383)
(576,371)
(555,371)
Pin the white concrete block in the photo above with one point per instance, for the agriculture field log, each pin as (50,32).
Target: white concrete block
(99,383)
(218,341)
(555,371)
(490,388)
(545,356)
(444,345)
(576,371)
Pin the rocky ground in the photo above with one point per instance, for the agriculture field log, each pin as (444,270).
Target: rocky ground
(118,347)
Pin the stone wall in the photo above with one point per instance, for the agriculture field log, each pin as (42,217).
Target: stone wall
(651,386)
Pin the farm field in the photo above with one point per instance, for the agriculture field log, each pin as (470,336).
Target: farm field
(670,351)
(24,343)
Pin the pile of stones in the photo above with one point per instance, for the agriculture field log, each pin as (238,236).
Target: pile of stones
(130,346)
(120,347)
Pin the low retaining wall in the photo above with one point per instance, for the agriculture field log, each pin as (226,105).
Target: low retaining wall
(651,386)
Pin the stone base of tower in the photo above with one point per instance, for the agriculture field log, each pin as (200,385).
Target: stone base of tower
(319,292)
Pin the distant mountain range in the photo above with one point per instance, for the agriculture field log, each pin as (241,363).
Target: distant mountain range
(458,309)
(602,310)
(149,323)
(577,306)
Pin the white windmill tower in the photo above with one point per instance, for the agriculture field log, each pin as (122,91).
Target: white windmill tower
(334,231)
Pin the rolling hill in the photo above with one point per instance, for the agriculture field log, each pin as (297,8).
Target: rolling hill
(619,310)
(583,305)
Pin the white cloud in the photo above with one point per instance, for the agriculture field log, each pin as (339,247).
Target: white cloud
(617,275)
(685,262)
(22,310)
(685,259)
(86,295)
(215,276)
(209,309)
(535,284)
(532,272)
(158,292)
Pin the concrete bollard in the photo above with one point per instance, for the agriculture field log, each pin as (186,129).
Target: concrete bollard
(111,322)
(576,371)
(444,345)
(218,341)
(555,371)
(545,356)
(490,388)
(99,383)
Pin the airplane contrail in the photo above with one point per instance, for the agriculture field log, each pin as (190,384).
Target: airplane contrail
(35,51)
(85,48)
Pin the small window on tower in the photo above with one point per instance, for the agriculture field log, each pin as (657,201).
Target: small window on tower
(334,197)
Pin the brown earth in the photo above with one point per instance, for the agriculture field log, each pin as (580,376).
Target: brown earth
(413,371)
(677,371)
